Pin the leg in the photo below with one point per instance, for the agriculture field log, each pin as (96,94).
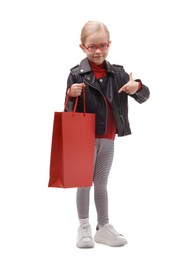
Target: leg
(103,162)
(85,239)
(82,198)
(105,234)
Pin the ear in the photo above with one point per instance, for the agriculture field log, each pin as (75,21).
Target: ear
(82,47)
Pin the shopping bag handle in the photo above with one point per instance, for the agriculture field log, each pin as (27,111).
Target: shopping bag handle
(76,102)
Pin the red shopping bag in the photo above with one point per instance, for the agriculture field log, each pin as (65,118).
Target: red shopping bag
(72,148)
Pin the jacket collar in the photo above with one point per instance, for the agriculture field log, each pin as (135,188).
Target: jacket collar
(85,67)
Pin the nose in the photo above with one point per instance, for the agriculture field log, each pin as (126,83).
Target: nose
(98,50)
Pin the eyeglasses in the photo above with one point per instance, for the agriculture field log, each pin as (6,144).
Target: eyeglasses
(101,46)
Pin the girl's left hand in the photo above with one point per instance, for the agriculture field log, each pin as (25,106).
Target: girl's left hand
(130,87)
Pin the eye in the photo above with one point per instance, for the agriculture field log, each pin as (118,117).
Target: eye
(103,46)
(92,47)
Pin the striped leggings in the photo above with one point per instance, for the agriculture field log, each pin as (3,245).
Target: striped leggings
(104,152)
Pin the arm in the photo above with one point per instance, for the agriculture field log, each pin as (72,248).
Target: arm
(136,89)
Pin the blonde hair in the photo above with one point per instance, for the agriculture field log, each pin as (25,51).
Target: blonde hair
(92,27)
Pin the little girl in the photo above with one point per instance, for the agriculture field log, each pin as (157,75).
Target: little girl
(107,89)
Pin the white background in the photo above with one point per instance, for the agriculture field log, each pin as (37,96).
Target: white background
(39,43)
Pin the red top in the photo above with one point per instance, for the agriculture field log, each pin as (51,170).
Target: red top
(100,72)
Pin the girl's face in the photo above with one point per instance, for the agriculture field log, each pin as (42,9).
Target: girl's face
(96,47)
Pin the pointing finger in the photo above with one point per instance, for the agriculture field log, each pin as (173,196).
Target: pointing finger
(131,76)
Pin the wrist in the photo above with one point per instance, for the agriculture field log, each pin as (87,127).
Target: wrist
(139,85)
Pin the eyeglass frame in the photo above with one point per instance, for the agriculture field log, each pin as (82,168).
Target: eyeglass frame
(97,46)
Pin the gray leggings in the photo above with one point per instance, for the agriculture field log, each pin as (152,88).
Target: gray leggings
(104,152)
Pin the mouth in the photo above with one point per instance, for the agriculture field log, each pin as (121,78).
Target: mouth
(97,57)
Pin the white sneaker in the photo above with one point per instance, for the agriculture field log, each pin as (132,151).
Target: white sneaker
(85,239)
(109,236)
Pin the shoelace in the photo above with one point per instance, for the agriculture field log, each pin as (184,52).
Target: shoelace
(85,231)
(111,229)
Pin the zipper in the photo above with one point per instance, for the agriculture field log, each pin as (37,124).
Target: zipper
(119,104)
(105,101)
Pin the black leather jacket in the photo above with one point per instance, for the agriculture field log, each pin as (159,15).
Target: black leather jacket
(116,77)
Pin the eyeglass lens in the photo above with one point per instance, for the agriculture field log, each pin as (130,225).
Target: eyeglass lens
(101,46)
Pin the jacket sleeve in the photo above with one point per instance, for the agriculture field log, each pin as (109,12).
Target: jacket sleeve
(142,95)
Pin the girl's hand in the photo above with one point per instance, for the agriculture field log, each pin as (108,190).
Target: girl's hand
(76,89)
(130,87)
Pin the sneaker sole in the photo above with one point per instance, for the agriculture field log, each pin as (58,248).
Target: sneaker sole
(85,245)
(104,241)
